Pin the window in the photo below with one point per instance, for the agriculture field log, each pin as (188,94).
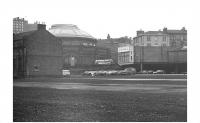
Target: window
(164,38)
(164,44)
(148,38)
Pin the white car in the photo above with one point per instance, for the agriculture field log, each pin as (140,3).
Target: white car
(89,73)
(66,73)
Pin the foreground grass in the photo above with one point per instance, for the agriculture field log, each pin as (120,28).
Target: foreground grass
(42,104)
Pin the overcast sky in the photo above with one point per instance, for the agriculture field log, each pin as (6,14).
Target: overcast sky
(98,18)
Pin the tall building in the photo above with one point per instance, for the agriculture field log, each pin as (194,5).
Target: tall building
(19,24)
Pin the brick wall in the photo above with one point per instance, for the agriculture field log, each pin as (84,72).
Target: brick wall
(44,54)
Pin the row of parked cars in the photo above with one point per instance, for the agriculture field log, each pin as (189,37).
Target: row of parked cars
(127,71)
(152,72)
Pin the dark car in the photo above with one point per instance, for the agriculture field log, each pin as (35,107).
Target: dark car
(127,71)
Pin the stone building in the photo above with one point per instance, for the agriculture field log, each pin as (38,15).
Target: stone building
(166,37)
(151,38)
(177,38)
(37,53)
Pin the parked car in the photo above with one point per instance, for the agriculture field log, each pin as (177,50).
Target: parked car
(89,73)
(150,71)
(100,73)
(66,73)
(143,72)
(86,73)
(112,72)
(159,72)
(131,70)
(127,71)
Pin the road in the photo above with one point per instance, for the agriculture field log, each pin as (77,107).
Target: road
(101,99)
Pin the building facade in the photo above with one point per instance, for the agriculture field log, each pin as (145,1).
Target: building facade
(125,54)
(19,25)
(79,48)
(153,58)
(37,53)
(151,38)
(178,38)
(113,44)
(166,37)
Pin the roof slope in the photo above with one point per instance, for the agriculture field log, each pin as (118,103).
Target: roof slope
(68,30)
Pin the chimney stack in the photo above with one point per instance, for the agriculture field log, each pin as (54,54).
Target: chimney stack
(41,26)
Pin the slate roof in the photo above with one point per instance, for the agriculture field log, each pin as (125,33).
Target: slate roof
(68,30)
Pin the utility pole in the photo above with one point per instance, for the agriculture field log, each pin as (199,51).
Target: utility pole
(141,58)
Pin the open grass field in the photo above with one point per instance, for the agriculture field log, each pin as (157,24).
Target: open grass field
(108,100)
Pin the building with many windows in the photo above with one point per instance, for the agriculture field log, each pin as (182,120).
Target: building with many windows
(19,24)
(166,37)
(125,54)
(177,38)
(151,38)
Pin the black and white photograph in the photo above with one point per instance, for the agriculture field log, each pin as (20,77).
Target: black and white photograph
(101,61)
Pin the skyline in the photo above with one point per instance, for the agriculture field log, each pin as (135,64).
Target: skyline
(100,18)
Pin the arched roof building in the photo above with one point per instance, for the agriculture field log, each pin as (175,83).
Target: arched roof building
(69,30)
(79,47)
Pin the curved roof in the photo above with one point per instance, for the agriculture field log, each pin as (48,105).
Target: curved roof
(68,30)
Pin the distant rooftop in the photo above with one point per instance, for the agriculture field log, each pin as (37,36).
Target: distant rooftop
(68,30)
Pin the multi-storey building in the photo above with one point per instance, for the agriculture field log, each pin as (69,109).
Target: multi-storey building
(19,24)
(178,38)
(125,54)
(113,44)
(172,38)
(151,38)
